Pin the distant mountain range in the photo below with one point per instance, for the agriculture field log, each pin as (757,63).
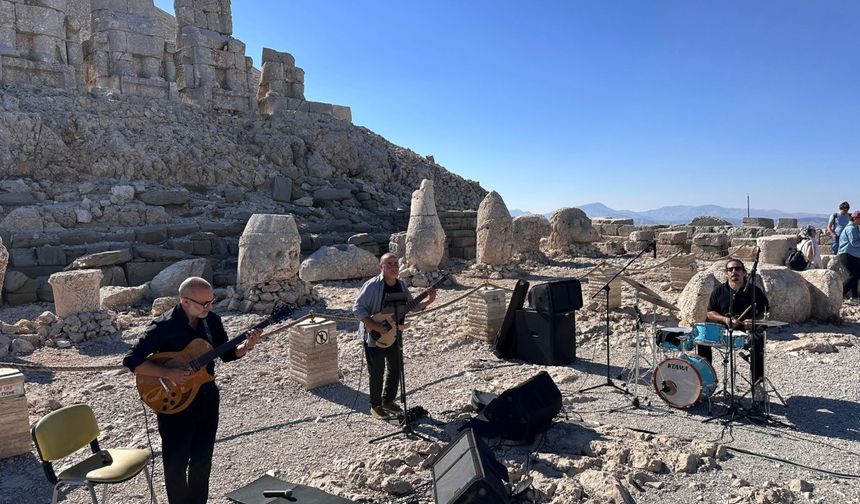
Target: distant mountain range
(683,214)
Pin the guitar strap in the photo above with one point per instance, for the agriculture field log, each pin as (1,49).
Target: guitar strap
(207,332)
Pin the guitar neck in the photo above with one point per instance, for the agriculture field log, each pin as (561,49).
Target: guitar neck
(223,348)
(411,305)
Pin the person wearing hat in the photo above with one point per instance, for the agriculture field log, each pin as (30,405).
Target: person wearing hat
(808,246)
(836,224)
(849,255)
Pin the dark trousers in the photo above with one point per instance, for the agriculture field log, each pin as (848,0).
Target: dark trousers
(852,264)
(756,347)
(187,442)
(378,359)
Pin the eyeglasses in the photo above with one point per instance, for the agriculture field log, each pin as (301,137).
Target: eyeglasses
(734,268)
(205,305)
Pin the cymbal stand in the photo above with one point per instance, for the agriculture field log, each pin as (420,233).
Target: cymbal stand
(605,290)
(634,366)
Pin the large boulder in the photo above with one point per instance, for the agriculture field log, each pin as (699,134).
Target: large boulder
(788,294)
(570,226)
(114,298)
(425,238)
(528,231)
(269,250)
(340,262)
(693,301)
(166,283)
(825,293)
(495,242)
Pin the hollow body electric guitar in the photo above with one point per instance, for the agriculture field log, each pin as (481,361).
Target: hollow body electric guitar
(387,318)
(167,397)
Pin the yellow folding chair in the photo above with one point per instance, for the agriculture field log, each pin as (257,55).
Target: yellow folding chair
(65,431)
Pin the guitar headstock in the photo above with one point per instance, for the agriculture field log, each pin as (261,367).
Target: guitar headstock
(281,311)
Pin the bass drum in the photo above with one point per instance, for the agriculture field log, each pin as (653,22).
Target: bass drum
(684,380)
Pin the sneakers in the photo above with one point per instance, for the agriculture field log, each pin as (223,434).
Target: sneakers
(392,407)
(378,412)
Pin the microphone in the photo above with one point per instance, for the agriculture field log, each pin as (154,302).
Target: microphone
(654,249)
(751,276)
(284,494)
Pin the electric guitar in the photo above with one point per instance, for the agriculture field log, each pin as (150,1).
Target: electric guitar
(387,319)
(165,396)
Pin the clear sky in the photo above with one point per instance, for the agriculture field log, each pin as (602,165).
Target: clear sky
(635,104)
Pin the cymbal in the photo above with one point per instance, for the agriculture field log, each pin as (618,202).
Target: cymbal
(639,286)
(658,301)
(770,323)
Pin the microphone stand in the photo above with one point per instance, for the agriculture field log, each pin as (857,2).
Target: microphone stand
(398,302)
(605,289)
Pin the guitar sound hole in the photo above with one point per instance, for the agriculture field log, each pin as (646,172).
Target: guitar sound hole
(173,394)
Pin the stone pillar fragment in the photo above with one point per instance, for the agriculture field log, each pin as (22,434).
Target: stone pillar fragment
(495,239)
(425,238)
(76,291)
(269,250)
(486,308)
(313,352)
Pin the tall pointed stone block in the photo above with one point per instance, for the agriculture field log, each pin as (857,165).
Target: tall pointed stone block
(425,238)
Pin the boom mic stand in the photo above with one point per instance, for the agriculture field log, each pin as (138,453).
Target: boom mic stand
(605,289)
(397,301)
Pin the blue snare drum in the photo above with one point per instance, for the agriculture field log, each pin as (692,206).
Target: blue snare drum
(684,380)
(708,334)
(674,338)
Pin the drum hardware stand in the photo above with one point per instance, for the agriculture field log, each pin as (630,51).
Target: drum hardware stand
(634,366)
(605,289)
(407,417)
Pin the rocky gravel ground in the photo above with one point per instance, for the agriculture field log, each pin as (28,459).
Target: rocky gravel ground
(600,448)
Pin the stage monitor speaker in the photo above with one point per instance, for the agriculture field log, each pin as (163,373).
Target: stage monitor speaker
(546,338)
(466,472)
(505,344)
(520,413)
(561,296)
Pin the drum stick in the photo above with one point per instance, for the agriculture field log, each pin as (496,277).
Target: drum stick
(743,316)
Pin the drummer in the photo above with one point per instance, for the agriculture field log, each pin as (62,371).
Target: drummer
(718,312)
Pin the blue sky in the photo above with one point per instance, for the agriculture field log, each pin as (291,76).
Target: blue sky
(635,104)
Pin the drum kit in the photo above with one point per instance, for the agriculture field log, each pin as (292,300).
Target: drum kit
(682,379)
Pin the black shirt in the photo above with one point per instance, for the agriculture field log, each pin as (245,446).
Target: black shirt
(171,333)
(722,295)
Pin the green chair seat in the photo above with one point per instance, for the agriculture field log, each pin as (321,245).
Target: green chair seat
(127,463)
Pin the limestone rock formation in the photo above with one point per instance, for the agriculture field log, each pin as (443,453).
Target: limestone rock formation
(495,244)
(167,282)
(788,294)
(570,226)
(425,238)
(825,293)
(114,298)
(527,232)
(213,69)
(127,53)
(693,301)
(340,262)
(708,220)
(268,250)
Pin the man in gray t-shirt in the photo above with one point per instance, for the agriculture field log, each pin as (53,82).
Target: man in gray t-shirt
(836,224)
